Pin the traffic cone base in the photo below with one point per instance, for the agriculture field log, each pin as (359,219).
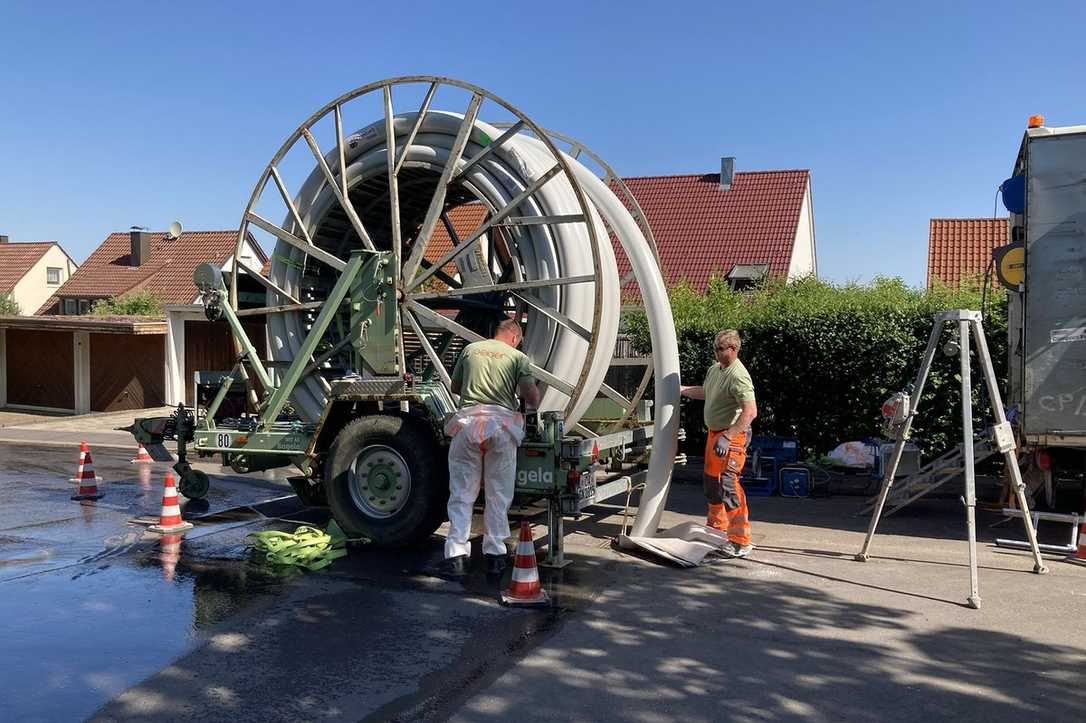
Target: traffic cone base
(141,456)
(86,476)
(170,554)
(1079,558)
(170,519)
(524,589)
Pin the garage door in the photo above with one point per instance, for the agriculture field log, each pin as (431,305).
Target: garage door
(40,368)
(209,346)
(127,371)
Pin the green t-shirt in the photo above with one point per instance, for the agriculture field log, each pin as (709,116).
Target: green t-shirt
(725,390)
(489,371)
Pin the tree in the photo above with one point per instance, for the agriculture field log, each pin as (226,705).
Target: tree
(140,303)
(8,305)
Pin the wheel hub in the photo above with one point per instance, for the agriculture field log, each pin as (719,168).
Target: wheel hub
(380,481)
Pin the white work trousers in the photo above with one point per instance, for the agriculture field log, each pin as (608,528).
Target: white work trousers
(483,453)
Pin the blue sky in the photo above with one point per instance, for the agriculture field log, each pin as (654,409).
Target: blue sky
(114,114)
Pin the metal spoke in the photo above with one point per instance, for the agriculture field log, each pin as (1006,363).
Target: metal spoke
(394,208)
(513,286)
(614,395)
(424,313)
(541,220)
(290,205)
(264,281)
(423,110)
(286,236)
(551,380)
(482,155)
(553,313)
(282,309)
(437,203)
(435,359)
(341,152)
(443,276)
(477,234)
(341,195)
(316,363)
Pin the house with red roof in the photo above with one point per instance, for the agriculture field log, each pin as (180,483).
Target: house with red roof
(742,226)
(961,248)
(140,260)
(64,359)
(30,271)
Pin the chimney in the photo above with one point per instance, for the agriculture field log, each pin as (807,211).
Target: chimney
(3,239)
(727,172)
(141,247)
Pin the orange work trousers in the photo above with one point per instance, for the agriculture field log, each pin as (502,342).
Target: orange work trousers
(727,501)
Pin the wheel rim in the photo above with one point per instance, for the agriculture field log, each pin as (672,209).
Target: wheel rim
(380,481)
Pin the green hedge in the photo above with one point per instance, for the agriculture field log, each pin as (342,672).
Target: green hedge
(825,357)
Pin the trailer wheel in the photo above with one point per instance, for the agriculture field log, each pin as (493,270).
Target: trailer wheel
(387,480)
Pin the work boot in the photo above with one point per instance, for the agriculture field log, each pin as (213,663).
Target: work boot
(455,566)
(495,564)
(734,549)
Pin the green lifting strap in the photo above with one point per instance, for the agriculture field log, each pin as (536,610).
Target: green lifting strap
(308,547)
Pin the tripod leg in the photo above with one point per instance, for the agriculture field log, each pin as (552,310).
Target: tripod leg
(902,437)
(968,462)
(1009,456)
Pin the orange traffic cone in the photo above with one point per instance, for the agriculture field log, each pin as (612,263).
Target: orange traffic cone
(170,519)
(524,589)
(141,455)
(1079,557)
(170,553)
(86,477)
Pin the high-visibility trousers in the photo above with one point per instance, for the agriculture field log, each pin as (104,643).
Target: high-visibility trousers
(724,492)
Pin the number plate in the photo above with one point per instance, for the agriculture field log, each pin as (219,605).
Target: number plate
(222,439)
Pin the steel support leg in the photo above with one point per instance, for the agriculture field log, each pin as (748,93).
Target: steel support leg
(555,536)
(902,438)
(967,462)
(1009,456)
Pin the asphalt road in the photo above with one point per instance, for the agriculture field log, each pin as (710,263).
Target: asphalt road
(99,621)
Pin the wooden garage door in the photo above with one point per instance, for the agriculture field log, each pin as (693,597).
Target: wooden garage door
(40,368)
(209,346)
(127,371)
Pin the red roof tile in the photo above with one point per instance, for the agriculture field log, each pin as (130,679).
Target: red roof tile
(700,230)
(17,258)
(167,273)
(962,246)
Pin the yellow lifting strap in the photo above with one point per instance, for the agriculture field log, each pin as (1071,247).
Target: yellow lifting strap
(308,547)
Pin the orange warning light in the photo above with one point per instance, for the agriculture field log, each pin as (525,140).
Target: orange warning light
(1036,121)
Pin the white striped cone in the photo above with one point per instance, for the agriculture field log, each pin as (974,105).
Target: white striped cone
(86,477)
(170,553)
(170,519)
(524,588)
(1079,558)
(141,455)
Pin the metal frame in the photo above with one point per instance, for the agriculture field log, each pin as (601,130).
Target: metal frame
(407,282)
(967,321)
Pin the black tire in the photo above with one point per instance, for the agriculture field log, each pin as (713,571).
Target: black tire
(396,443)
(193,484)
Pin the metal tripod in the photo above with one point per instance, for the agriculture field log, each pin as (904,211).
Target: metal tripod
(1001,434)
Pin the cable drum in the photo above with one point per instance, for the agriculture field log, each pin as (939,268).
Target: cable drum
(543,252)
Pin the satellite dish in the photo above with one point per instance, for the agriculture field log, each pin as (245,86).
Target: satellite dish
(175,230)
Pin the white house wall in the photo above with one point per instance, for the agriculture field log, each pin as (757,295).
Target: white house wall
(33,289)
(804,259)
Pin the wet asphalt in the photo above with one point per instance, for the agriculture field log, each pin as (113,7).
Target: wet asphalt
(103,620)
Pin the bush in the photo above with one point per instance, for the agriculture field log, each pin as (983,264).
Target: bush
(825,357)
(140,303)
(8,305)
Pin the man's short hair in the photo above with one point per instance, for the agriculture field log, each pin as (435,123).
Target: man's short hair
(509,326)
(728,337)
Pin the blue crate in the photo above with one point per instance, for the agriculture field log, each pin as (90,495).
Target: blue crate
(795,481)
(784,449)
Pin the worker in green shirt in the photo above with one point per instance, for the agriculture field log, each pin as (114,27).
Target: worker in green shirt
(730,407)
(486,431)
